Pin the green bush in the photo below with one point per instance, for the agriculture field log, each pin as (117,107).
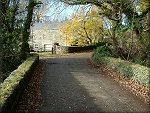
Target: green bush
(132,71)
(141,61)
(9,64)
(103,51)
(13,81)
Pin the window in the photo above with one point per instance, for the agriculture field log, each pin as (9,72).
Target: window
(36,46)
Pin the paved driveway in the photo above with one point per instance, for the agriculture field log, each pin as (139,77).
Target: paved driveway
(71,85)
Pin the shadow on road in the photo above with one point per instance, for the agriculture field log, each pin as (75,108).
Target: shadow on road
(70,85)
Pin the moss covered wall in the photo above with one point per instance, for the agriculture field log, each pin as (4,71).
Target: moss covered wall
(13,86)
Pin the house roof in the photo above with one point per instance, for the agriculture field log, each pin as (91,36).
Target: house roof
(52,25)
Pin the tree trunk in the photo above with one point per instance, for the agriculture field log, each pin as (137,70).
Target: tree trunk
(149,29)
(149,39)
(25,50)
(87,36)
(0,44)
(114,40)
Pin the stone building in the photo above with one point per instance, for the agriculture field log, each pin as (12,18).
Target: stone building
(44,35)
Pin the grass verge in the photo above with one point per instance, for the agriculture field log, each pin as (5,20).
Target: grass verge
(134,72)
(132,76)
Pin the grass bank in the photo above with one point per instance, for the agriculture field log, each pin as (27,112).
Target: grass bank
(133,76)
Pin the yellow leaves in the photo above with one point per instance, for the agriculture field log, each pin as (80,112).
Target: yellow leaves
(69,40)
(107,6)
(81,41)
(144,4)
(83,28)
(69,27)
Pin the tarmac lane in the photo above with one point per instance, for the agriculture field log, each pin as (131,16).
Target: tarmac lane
(69,85)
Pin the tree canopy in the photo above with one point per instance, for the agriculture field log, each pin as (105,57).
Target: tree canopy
(82,27)
(15,21)
(128,24)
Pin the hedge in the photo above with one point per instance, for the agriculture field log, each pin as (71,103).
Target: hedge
(134,72)
(14,85)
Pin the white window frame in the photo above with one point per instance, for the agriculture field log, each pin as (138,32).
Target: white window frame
(36,46)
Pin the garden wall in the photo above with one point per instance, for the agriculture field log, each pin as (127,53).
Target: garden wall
(13,86)
(72,49)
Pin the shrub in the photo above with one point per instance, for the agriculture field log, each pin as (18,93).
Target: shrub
(141,61)
(102,44)
(103,51)
(135,72)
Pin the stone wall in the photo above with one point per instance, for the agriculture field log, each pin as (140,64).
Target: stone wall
(71,49)
(13,86)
